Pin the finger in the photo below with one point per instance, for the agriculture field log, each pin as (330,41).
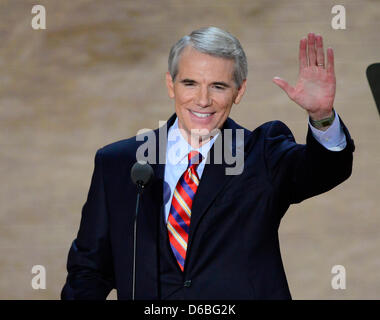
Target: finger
(311,49)
(320,53)
(302,54)
(284,86)
(330,60)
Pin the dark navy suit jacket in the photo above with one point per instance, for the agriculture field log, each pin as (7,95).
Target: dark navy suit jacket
(233,248)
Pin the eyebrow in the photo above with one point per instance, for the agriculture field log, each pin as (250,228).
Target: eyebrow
(221,83)
(216,83)
(187,81)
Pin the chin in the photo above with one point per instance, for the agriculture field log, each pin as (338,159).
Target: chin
(202,130)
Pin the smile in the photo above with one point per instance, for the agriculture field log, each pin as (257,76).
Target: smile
(201,115)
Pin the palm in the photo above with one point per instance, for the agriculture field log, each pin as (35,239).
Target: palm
(315,88)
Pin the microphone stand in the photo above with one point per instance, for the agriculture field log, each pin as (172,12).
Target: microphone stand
(141,175)
(140,189)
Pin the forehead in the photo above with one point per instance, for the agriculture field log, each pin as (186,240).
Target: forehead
(193,63)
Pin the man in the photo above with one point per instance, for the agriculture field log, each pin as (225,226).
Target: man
(202,233)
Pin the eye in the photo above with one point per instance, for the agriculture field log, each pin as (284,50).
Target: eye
(219,87)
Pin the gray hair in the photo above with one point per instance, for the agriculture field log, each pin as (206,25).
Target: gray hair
(213,41)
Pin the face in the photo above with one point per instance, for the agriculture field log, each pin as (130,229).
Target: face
(203,91)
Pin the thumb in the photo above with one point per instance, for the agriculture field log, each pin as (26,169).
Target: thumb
(284,85)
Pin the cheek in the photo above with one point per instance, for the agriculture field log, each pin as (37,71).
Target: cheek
(183,96)
(224,103)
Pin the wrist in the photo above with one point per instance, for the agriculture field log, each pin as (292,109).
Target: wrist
(320,115)
(322,121)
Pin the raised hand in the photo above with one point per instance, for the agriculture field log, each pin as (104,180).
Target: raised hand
(316,84)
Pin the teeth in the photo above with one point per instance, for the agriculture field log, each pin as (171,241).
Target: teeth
(201,115)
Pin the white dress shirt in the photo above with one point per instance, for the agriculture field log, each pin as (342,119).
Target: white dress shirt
(178,148)
(176,161)
(333,138)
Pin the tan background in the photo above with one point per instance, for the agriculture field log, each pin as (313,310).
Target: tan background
(96,75)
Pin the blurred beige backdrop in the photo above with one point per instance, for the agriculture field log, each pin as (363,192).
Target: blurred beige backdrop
(96,75)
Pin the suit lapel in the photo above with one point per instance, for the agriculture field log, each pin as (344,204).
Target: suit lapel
(213,179)
(156,196)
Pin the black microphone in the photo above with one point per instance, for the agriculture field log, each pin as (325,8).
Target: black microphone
(373,76)
(141,174)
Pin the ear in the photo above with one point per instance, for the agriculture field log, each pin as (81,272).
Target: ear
(241,91)
(170,85)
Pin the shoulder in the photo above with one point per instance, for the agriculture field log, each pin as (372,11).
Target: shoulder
(268,139)
(275,128)
(270,126)
(118,148)
(266,130)
(122,151)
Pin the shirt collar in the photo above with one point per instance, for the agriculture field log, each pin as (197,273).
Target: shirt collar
(178,148)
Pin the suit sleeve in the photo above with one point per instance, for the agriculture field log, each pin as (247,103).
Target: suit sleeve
(89,263)
(301,171)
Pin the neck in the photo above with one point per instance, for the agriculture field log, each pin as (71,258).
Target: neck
(195,138)
(196,141)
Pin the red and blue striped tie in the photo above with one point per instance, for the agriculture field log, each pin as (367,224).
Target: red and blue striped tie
(180,211)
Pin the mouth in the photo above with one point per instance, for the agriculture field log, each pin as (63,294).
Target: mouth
(201,115)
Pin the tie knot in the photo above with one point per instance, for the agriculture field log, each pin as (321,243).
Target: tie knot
(194,158)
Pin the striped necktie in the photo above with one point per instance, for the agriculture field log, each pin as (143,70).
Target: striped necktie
(180,211)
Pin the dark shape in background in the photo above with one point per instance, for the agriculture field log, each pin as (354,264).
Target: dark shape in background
(373,75)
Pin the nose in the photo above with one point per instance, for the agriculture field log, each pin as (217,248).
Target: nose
(203,98)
